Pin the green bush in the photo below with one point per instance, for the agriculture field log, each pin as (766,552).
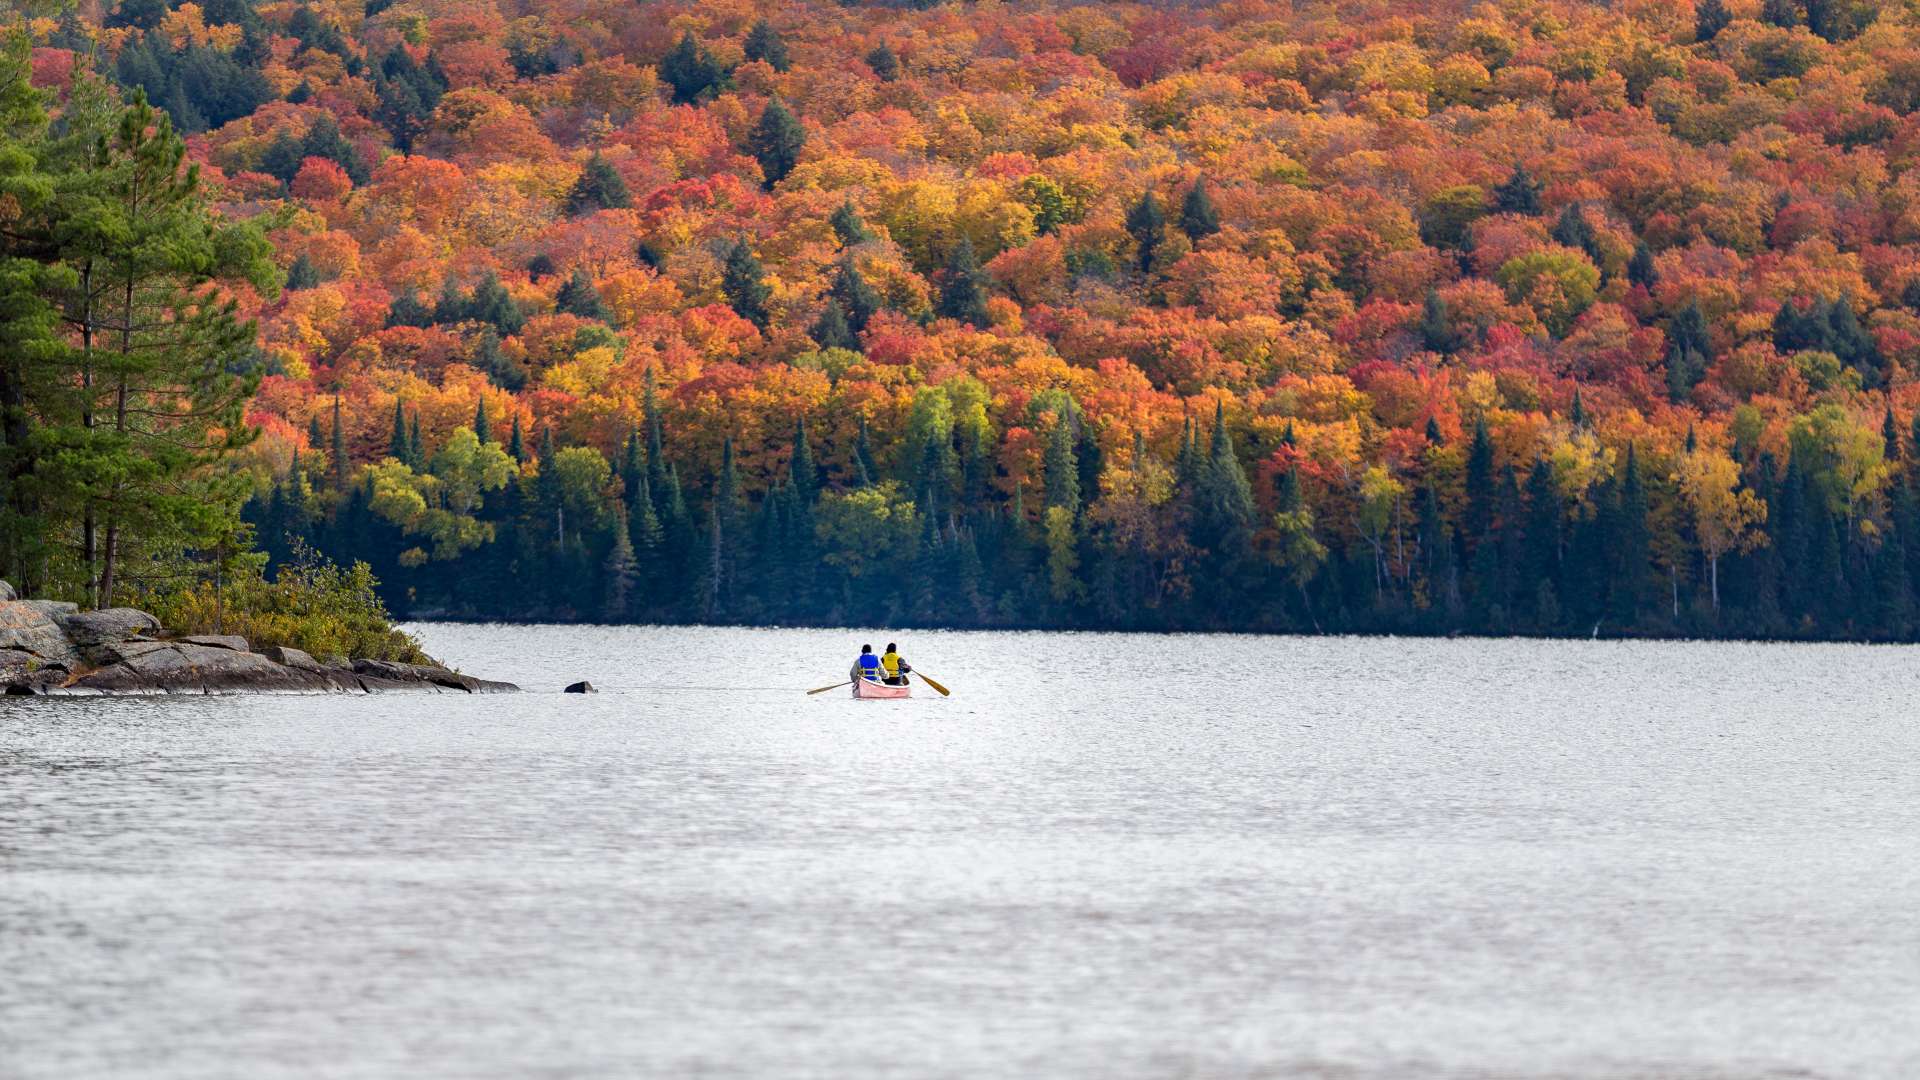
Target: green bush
(311,604)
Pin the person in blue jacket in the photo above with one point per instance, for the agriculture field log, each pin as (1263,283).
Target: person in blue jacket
(867,666)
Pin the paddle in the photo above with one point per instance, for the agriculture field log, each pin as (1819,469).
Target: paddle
(835,686)
(943,690)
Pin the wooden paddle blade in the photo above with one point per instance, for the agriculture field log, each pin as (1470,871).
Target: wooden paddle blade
(835,686)
(943,690)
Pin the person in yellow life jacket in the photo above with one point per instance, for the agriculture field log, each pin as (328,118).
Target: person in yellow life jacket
(896,667)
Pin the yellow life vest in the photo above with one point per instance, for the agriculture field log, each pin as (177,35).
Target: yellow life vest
(891,661)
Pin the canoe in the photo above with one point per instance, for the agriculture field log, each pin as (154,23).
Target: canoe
(870,691)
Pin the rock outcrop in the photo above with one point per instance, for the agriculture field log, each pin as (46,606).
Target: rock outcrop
(53,648)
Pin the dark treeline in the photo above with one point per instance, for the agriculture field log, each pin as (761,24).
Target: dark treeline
(1709,543)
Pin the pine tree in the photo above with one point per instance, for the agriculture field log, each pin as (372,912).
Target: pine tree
(764,43)
(847,225)
(482,429)
(1782,13)
(416,447)
(600,187)
(1436,330)
(830,330)
(776,142)
(1541,558)
(492,304)
(692,72)
(963,294)
(857,299)
(885,65)
(302,275)
(339,448)
(1062,468)
(1631,545)
(1640,268)
(407,310)
(803,474)
(1709,18)
(1518,194)
(1481,495)
(1198,218)
(621,569)
(745,285)
(863,455)
(1890,438)
(399,447)
(579,297)
(516,443)
(1148,227)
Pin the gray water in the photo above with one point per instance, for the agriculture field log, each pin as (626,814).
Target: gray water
(1190,857)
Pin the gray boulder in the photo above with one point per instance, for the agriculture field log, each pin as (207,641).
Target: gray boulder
(291,657)
(179,667)
(6,591)
(581,687)
(219,641)
(88,628)
(27,627)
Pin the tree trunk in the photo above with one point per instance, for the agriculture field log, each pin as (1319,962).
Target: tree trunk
(1713,575)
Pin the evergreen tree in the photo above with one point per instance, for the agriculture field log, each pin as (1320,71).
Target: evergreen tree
(1198,218)
(804,475)
(482,429)
(339,448)
(1782,13)
(1062,468)
(963,294)
(516,443)
(407,310)
(302,275)
(1709,18)
(1436,331)
(1631,546)
(848,226)
(621,569)
(491,304)
(692,72)
(1480,487)
(857,299)
(863,455)
(399,447)
(1890,438)
(745,285)
(764,43)
(505,372)
(885,65)
(1640,268)
(600,187)
(1518,194)
(1541,557)
(830,330)
(416,446)
(776,142)
(579,297)
(1222,511)
(1148,227)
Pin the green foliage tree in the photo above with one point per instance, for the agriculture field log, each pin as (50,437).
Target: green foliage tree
(745,284)
(600,187)
(777,141)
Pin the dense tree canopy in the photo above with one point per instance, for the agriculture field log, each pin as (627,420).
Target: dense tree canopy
(1377,315)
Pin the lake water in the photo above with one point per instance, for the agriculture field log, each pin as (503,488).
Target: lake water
(1186,857)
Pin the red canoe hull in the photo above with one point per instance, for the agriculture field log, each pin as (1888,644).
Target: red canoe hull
(872,691)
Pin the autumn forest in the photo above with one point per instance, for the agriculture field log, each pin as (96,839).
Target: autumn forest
(1410,316)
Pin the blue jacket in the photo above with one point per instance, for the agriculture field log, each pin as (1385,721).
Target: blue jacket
(869,666)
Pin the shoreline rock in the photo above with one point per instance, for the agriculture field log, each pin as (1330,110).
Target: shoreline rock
(53,649)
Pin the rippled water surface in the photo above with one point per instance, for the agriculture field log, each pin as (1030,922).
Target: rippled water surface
(1184,857)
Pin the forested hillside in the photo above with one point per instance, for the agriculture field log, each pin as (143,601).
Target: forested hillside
(1534,316)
